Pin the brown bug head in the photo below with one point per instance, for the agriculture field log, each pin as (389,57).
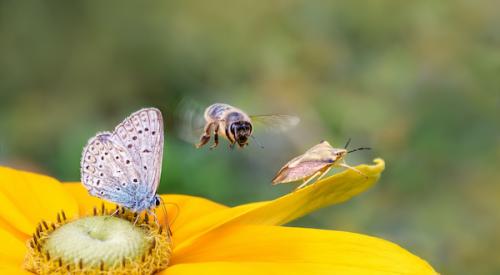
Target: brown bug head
(240,132)
(336,154)
(324,152)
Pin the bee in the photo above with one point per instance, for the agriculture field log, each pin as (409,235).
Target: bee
(316,161)
(236,126)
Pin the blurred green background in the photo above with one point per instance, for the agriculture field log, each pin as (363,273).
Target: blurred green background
(418,81)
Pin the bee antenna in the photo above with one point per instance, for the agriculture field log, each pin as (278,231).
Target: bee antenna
(358,149)
(347,143)
(256,141)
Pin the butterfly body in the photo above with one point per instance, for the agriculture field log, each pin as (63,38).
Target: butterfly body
(124,166)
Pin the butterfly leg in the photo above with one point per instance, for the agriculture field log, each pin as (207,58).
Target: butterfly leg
(205,137)
(153,214)
(345,165)
(308,180)
(116,211)
(137,216)
(216,137)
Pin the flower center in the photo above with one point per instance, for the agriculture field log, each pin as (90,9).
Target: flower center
(103,242)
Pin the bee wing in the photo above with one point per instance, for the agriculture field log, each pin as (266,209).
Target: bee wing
(190,114)
(300,170)
(275,123)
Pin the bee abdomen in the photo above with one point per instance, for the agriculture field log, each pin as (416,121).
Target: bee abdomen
(217,110)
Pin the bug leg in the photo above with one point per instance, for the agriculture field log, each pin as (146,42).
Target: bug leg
(308,180)
(205,137)
(345,165)
(216,137)
(324,173)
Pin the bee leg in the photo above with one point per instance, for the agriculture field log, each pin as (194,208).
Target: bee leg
(353,169)
(216,137)
(203,141)
(308,180)
(205,137)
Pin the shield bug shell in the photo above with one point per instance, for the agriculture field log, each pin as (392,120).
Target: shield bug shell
(316,161)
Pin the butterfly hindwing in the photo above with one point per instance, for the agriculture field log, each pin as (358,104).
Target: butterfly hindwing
(106,170)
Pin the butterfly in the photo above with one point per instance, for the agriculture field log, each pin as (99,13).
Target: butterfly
(124,166)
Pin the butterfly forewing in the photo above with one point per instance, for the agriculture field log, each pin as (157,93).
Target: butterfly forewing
(142,135)
(124,166)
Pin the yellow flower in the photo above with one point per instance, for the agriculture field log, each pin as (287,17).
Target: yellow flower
(210,238)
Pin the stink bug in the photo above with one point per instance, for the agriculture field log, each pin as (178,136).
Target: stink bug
(315,162)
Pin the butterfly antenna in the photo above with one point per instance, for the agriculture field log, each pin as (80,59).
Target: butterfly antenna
(347,143)
(256,141)
(166,215)
(358,149)
(178,211)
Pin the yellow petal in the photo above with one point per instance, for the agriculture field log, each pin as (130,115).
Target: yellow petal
(252,268)
(12,252)
(181,209)
(26,198)
(281,250)
(14,271)
(12,219)
(85,201)
(331,190)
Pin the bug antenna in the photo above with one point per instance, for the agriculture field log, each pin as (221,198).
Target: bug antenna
(358,149)
(347,143)
(258,143)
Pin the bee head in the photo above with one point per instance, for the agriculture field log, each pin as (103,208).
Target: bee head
(241,131)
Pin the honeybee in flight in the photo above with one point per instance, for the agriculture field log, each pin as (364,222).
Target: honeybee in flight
(316,161)
(236,126)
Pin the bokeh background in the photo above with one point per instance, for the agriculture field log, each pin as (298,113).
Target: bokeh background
(418,81)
